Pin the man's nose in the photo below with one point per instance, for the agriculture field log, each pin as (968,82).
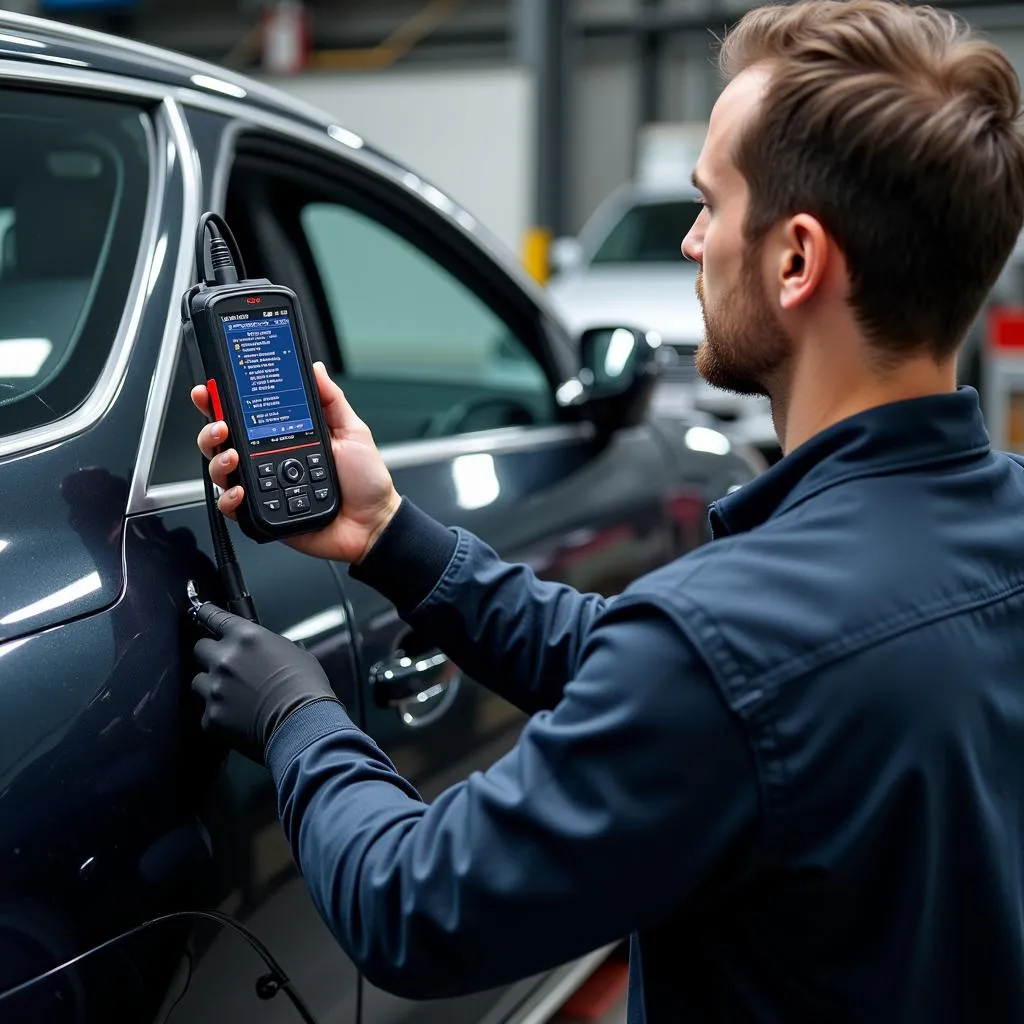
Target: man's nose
(693,248)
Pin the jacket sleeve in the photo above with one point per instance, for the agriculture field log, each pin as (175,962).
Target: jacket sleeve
(510,631)
(611,812)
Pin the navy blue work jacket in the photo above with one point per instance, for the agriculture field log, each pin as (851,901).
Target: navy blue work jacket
(790,764)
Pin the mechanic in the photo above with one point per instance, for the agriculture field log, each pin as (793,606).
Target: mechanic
(790,764)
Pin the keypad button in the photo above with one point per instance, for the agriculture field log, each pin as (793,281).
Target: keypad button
(274,505)
(295,492)
(322,493)
(265,469)
(318,474)
(298,505)
(314,460)
(291,471)
(268,484)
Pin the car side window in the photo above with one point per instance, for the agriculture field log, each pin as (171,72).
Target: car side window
(72,202)
(177,457)
(422,354)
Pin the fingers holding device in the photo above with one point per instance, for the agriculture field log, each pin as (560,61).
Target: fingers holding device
(259,381)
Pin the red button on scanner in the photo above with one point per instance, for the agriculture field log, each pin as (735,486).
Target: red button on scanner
(218,410)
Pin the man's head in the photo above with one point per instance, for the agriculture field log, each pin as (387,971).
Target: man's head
(864,179)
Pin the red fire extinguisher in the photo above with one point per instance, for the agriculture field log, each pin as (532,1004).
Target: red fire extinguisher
(285,37)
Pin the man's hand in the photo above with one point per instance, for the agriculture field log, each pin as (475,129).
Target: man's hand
(368,497)
(252,680)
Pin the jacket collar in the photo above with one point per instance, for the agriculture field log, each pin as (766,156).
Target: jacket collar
(889,438)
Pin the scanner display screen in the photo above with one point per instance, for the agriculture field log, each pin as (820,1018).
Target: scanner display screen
(261,349)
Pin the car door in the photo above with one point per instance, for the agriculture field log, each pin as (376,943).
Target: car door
(132,856)
(449,361)
(255,880)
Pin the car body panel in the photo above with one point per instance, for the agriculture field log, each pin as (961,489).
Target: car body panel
(57,562)
(217,973)
(301,598)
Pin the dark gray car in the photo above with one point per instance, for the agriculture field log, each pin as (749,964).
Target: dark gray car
(130,846)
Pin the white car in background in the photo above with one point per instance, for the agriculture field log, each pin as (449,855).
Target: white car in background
(626,267)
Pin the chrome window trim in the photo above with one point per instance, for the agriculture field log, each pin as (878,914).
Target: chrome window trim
(222,172)
(157,497)
(85,80)
(502,439)
(184,273)
(397,456)
(110,377)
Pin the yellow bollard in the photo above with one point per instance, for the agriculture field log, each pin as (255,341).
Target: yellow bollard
(536,253)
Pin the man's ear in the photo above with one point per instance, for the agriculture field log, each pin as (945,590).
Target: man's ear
(803,260)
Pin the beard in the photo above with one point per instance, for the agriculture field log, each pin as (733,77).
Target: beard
(744,347)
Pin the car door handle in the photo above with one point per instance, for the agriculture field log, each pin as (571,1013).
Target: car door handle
(405,678)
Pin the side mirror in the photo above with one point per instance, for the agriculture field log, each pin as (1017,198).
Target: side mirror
(565,254)
(619,367)
(614,357)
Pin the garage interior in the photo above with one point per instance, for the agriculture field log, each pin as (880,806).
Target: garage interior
(539,118)
(543,120)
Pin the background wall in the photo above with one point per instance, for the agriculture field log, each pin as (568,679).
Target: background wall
(1011,40)
(460,106)
(467,131)
(603,112)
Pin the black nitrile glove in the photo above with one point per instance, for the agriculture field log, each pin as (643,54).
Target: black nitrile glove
(254,680)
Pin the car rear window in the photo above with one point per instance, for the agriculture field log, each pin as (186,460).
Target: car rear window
(650,233)
(73,191)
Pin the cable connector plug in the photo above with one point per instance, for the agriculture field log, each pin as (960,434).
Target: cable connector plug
(222,262)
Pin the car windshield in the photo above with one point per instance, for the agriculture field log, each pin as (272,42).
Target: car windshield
(649,233)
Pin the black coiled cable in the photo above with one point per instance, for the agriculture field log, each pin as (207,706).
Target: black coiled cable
(266,986)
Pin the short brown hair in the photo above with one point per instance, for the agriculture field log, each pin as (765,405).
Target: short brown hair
(899,130)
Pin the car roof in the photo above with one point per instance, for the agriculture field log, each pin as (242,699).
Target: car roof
(47,43)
